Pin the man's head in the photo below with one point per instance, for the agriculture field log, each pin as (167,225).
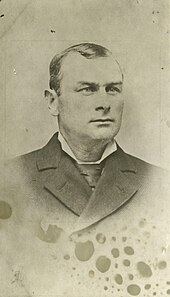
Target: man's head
(86,92)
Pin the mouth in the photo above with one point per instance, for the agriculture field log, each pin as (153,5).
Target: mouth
(102,121)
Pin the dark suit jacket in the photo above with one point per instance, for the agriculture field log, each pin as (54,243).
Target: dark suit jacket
(55,183)
(123,225)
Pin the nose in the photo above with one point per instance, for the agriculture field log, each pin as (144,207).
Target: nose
(105,109)
(102,101)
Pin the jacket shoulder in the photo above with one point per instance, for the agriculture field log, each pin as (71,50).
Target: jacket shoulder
(30,159)
(146,167)
(27,160)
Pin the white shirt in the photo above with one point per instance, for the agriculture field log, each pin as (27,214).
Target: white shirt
(110,148)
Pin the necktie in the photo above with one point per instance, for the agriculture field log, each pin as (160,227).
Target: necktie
(91,172)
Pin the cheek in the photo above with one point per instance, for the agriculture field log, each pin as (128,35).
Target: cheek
(117,107)
(69,106)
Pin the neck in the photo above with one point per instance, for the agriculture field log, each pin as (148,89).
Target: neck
(85,150)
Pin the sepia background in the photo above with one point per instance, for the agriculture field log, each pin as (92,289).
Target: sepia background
(136,31)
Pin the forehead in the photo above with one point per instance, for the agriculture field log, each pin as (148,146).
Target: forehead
(76,68)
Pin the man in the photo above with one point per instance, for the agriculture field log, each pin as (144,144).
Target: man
(83,181)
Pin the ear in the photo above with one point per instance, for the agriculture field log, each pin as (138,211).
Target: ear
(52,101)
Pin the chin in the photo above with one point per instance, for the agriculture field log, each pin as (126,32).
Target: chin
(104,134)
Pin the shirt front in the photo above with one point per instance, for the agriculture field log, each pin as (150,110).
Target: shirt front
(111,147)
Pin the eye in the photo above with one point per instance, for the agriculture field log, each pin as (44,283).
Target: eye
(113,90)
(87,90)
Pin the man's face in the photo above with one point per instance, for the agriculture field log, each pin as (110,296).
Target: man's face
(90,105)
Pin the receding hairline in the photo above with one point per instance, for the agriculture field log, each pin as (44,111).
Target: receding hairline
(87,50)
(73,56)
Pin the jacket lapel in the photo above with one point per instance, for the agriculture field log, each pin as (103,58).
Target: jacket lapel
(64,181)
(118,184)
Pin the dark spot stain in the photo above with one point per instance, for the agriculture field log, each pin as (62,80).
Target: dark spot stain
(131,276)
(66,257)
(2,15)
(84,250)
(129,250)
(91,273)
(118,279)
(158,11)
(147,286)
(126,262)
(153,12)
(115,252)
(162,68)
(103,264)
(100,238)
(52,31)
(144,269)
(133,290)
(162,265)
(26,130)
(51,235)
(5,210)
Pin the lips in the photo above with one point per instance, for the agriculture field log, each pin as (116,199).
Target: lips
(102,121)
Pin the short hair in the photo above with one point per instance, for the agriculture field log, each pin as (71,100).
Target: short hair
(87,50)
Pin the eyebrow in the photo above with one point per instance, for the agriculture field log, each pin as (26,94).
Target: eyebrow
(83,83)
(114,83)
(94,84)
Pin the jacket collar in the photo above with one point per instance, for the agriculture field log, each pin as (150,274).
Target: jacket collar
(118,183)
(49,156)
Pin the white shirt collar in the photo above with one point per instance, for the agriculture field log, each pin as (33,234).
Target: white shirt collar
(110,148)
